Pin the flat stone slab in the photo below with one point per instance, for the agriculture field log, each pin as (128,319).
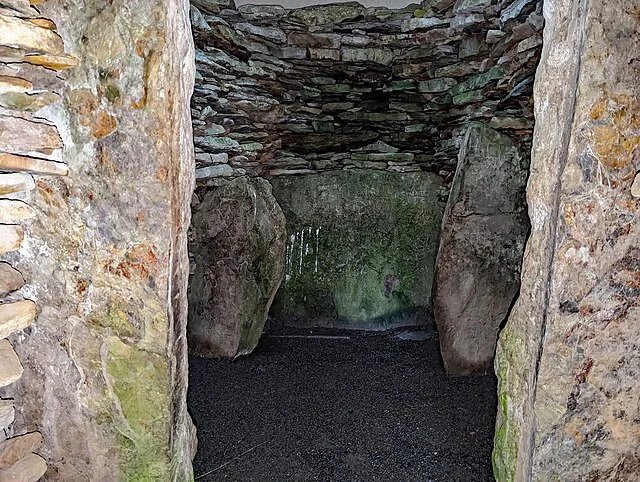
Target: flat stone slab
(16,316)
(28,469)
(16,448)
(12,210)
(482,241)
(10,366)
(10,279)
(11,236)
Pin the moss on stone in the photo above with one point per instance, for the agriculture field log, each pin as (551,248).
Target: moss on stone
(361,246)
(140,381)
(116,319)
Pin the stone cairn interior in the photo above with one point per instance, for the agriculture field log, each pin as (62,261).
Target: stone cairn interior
(328,139)
(319,132)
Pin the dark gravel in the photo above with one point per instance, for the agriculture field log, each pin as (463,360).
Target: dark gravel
(369,408)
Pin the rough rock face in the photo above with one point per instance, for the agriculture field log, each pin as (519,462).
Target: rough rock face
(238,243)
(481,244)
(568,358)
(104,259)
(361,248)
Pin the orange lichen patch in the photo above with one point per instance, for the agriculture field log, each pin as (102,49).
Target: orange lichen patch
(616,138)
(140,262)
(49,195)
(162,174)
(569,214)
(43,22)
(102,124)
(54,62)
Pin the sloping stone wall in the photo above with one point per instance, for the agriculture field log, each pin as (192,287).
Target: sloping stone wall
(568,359)
(283,92)
(104,365)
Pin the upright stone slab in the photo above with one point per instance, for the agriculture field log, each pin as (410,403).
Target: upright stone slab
(360,250)
(238,238)
(483,234)
(568,358)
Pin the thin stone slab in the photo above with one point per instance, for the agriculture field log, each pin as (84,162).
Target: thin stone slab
(28,469)
(15,162)
(14,84)
(19,33)
(7,414)
(10,366)
(10,279)
(23,136)
(12,210)
(16,448)
(16,316)
(15,182)
(11,237)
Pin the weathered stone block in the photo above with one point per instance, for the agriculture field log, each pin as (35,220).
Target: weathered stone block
(238,250)
(360,249)
(483,235)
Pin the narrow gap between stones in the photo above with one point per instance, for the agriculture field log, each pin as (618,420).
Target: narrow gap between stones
(344,303)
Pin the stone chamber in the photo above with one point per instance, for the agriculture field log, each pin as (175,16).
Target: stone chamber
(178,176)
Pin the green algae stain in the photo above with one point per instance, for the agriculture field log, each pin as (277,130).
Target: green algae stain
(361,247)
(140,382)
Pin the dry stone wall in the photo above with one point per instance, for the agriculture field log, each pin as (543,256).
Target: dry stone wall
(97,251)
(281,92)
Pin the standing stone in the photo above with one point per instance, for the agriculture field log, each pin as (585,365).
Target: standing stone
(483,234)
(238,248)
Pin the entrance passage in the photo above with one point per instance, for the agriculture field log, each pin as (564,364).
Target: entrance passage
(319,405)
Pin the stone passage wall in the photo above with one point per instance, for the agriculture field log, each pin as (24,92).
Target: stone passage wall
(342,86)
(103,365)
(568,360)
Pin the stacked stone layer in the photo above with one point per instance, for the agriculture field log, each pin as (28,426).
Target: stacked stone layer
(341,86)
(30,53)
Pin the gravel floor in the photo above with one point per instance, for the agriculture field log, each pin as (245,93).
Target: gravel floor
(365,408)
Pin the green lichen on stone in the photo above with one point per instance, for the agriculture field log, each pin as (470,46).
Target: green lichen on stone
(361,247)
(505,443)
(140,382)
(112,93)
(116,319)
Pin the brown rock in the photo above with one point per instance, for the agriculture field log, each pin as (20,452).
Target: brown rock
(15,182)
(13,210)
(481,244)
(54,62)
(10,366)
(14,162)
(11,236)
(229,303)
(16,316)
(28,469)
(14,84)
(16,448)
(10,279)
(19,135)
(19,33)
(27,102)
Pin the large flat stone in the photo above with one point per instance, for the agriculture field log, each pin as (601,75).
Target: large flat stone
(15,182)
(360,249)
(481,244)
(14,210)
(19,135)
(7,414)
(19,33)
(30,468)
(16,316)
(16,448)
(10,279)
(11,237)
(10,367)
(238,249)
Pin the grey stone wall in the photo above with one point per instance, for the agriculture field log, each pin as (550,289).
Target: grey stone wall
(282,92)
